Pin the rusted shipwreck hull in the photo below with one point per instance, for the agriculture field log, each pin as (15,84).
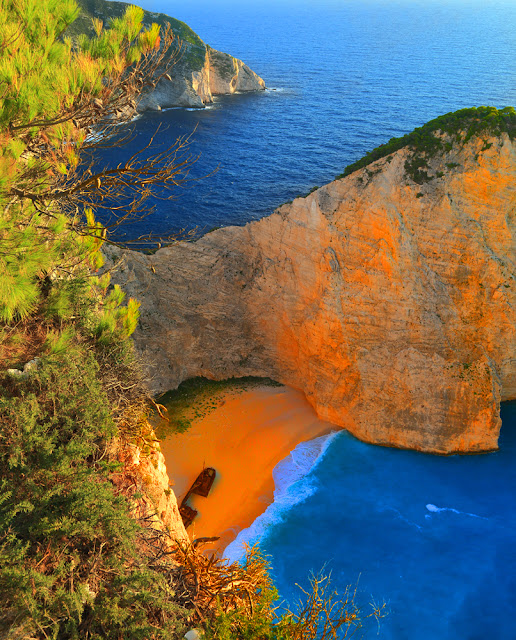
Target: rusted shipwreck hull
(201,487)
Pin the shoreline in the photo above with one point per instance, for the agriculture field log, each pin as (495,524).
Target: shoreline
(243,438)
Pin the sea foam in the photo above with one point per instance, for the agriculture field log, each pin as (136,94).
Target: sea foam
(434,509)
(291,487)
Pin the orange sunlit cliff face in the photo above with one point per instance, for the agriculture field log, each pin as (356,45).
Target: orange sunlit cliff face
(390,304)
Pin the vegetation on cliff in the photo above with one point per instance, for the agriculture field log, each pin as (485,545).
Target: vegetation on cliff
(427,141)
(193,48)
(78,559)
(198,397)
(74,561)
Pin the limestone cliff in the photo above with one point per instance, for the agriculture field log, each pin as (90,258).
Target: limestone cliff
(194,85)
(197,73)
(388,299)
(144,472)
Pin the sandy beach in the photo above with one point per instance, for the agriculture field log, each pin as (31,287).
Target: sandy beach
(243,439)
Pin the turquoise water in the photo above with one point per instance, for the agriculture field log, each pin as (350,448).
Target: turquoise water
(434,537)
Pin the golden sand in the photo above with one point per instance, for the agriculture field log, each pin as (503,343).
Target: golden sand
(243,439)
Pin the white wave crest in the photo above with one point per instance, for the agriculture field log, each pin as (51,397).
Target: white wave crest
(433,509)
(291,488)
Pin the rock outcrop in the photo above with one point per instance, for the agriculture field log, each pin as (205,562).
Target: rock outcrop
(391,304)
(197,72)
(191,85)
(144,472)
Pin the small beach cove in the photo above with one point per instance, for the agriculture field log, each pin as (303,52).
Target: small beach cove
(244,435)
(429,535)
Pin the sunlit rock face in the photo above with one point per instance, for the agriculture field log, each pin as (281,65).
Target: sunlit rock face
(144,473)
(188,85)
(390,304)
(227,74)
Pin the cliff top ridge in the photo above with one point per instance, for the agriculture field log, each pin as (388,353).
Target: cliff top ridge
(440,135)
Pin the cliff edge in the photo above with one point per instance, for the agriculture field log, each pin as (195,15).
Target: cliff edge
(144,473)
(388,296)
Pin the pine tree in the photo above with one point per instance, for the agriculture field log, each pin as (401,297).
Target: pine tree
(70,560)
(57,98)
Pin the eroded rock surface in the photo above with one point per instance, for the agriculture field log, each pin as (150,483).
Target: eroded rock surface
(390,304)
(144,472)
(191,85)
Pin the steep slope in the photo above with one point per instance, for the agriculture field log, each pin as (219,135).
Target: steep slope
(144,471)
(200,72)
(387,296)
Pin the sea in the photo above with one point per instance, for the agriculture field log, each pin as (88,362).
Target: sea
(434,538)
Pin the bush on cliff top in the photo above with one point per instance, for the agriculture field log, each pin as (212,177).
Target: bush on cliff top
(423,142)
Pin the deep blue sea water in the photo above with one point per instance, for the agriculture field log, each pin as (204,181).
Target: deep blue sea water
(343,77)
(434,537)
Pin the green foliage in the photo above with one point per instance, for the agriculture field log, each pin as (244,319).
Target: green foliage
(71,552)
(238,624)
(69,565)
(194,49)
(42,73)
(44,83)
(426,141)
(108,11)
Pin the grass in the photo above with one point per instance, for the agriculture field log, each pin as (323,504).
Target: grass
(198,397)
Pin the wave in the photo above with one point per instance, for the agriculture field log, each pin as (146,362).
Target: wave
(433,509)
(401,517)
(97,135)
(291,487)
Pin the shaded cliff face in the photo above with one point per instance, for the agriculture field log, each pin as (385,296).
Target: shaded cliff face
(391,304)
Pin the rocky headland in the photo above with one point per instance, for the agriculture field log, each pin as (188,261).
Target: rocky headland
(196,72)
(387,296)
(192,85)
